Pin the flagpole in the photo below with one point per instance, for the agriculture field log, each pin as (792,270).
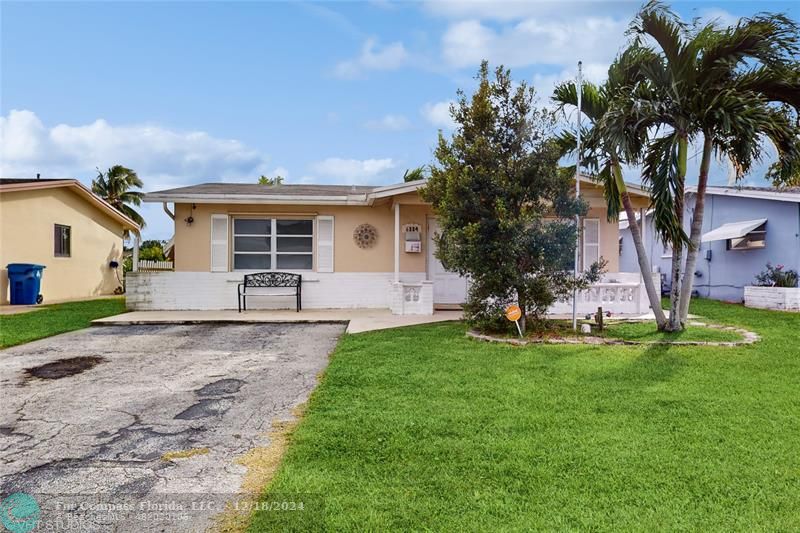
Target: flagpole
(577,197)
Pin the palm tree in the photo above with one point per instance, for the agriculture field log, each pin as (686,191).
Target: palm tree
(114,186)
(604,158)
(718,85)
(414,174)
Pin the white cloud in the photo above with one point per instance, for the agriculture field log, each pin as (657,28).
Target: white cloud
(279,171)
(545,83)
(516,9)
(534,42)
(158,154)
(719,16)
(354,170)
(373,57)
(162,157)
(438,114)
(389,123)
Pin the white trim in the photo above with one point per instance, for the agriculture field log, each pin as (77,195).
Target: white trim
(780,196)
(221,242)
(325,242)
(396,189)
(267,199)
(358,199)
(396,243)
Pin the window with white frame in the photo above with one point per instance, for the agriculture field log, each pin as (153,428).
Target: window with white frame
(273,244)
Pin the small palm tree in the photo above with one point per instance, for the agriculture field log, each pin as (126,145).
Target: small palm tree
(414,174)
(605,158)
(114,186)
(718,85)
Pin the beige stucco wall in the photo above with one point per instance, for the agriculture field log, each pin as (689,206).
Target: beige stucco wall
(193,248)
(26,236)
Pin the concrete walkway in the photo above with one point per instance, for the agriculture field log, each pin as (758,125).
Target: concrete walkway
(357,320)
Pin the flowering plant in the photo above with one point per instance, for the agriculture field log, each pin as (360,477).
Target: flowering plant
(776,276)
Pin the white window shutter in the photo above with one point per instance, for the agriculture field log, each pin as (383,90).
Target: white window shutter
(324,243)
(219,243)
(591,241)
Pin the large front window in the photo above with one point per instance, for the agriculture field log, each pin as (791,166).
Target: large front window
(273,244)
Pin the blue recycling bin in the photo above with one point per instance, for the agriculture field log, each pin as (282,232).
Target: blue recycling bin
(25,282)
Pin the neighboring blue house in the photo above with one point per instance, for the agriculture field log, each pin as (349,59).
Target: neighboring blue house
(743,228)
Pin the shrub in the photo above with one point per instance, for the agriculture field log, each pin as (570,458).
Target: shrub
(776,276)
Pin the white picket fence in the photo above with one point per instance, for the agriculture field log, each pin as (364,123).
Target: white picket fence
(155,266)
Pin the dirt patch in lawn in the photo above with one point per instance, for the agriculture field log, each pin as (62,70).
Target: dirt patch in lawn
(64,367)
(262,463)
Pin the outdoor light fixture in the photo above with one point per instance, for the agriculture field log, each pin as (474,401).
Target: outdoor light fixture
(190,219)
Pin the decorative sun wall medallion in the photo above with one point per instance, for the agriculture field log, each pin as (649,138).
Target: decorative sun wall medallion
(365,236)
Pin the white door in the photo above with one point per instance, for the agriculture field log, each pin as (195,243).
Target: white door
(448,287)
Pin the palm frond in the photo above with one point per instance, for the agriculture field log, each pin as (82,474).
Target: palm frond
(775,83)
(611,191)
(660,170)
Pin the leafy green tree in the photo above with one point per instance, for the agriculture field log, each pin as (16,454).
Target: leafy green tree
(152,250)
(115,187)
(505,209)
(264,180)
(604,158)
(414,174)
(718,85)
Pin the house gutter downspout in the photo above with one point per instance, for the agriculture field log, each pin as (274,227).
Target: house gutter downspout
(397,242)
(167,211)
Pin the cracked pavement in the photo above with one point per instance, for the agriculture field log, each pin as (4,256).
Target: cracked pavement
(160,388)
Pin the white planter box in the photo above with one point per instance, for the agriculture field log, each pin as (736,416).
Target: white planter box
(779,298)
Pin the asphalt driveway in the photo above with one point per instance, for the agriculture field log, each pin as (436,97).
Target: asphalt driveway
(91,414)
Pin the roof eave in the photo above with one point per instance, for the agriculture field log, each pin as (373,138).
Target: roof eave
(744,193)
(266,199)
(102,205)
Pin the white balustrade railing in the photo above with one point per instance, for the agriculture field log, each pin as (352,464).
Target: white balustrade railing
(152,266)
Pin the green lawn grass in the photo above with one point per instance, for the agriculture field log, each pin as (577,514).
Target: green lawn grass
(420,428)
(647,332)
(55,319)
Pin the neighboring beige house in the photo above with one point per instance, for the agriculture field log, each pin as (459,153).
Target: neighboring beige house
(65,227)
(355,246)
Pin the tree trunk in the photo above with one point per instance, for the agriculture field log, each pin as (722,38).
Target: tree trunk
(675,323)
(696,228)
(644,264)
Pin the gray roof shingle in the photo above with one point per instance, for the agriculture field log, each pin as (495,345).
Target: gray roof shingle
(256,189)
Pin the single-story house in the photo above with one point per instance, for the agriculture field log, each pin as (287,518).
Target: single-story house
(743,229)
(355,246)
(61,224)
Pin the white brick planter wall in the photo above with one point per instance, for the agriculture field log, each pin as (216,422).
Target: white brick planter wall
(166,291)
(412,298)
(778,298)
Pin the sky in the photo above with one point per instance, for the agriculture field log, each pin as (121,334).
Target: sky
(325,92)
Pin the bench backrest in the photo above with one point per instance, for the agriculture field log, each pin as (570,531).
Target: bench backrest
(272,279)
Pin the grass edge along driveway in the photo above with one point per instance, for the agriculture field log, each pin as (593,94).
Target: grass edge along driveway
(420,428)
(54,319)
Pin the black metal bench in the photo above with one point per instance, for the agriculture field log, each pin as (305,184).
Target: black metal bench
(265,280)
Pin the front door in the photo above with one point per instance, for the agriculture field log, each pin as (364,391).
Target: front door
(448,287)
